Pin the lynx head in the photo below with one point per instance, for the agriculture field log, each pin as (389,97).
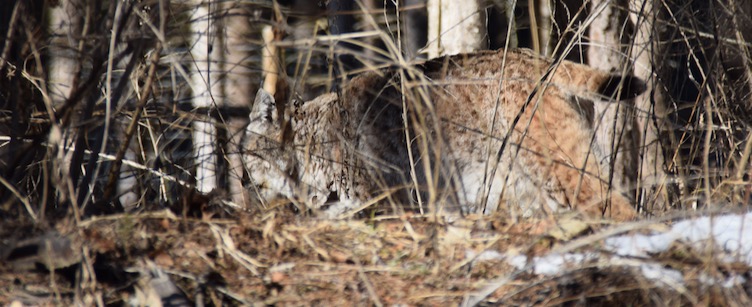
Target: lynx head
(289,154)
(271,165)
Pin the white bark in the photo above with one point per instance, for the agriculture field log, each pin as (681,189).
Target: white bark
(615,128)
(511,36)
(455,27)
(414,32)
(205,77)
(652,116)
(543,21)
(64,26)
(237,88)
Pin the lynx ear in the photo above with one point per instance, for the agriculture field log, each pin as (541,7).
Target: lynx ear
(264,107)
(617,87)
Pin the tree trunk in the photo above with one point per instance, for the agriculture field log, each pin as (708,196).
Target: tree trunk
(237,88)
(653,119)
(65,30)
(414,25)
(615,127)
(541,22)
(206,55)
(455,27)
(341,21)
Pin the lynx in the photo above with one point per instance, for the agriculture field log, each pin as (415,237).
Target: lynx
(483,131)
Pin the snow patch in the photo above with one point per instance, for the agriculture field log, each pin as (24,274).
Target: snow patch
(729,234)
(728,237)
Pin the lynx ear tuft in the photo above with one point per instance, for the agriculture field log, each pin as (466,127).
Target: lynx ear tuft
(618,87)
(264,108)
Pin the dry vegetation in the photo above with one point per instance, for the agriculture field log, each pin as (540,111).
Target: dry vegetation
(70,233)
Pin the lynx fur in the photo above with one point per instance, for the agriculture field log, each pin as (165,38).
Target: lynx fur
(482,132)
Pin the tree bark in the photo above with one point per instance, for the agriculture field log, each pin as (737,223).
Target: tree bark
(65,27)
(541,21)
(237,88)
(455,27)
(414,25)
(341,21)
(616,131)
(651,105)
(207,91)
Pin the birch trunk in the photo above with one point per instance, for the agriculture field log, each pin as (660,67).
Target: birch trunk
(616,130)
(651,105)
(341,21)
(541,20)
(455,27)
(237,87)
(414,25)
(207,90)
(65,27)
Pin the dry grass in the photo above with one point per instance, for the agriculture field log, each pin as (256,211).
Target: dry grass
(54,167)
(280,258)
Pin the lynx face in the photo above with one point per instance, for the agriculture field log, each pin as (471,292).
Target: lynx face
(483,131)
(305,168)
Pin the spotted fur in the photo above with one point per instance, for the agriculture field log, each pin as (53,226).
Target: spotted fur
(489,130)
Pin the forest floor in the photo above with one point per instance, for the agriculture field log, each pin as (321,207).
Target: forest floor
(217,256)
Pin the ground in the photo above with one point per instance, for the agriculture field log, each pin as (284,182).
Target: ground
(220,256)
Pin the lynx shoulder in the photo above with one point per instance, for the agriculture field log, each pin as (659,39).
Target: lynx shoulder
(484,131)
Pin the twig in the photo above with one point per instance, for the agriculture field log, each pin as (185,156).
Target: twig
(9,35)
(20,197)
(134,121)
